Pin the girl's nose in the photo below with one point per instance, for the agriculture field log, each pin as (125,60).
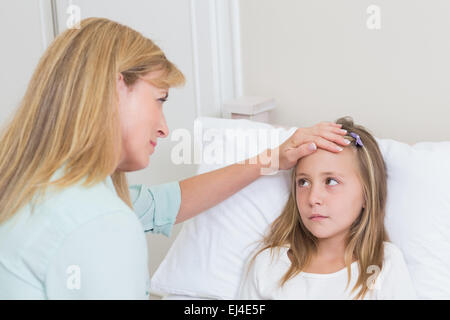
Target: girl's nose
(315,196)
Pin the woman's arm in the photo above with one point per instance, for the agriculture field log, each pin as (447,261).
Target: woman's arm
(204,191)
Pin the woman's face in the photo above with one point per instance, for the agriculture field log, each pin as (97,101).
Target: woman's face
(328,184)
(142,121)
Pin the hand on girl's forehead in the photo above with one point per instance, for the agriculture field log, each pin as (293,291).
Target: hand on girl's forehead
(326,162)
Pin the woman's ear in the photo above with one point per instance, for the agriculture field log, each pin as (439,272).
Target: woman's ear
(120,81)
(121,87)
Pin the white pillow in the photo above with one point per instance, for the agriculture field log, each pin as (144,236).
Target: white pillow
(207,258)
(418,211)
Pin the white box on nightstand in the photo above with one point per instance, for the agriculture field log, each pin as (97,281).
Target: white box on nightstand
(250,108)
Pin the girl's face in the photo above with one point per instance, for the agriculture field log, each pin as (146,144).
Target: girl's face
(327,184)
(142,121)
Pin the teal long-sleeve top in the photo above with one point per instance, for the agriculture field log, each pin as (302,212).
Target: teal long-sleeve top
(84,243)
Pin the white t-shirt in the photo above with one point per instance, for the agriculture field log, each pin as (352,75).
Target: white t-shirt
(262,280)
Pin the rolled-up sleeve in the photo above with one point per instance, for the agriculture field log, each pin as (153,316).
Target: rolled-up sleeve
(156,206)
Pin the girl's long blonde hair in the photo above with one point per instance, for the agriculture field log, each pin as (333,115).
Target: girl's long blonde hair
(367,233)
(69,113)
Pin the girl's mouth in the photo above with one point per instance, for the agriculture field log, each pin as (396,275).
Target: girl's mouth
(317,217)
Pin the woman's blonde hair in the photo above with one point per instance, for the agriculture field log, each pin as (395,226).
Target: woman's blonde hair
(367,233)
(69,113)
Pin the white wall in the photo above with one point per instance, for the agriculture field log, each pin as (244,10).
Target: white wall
(319,60)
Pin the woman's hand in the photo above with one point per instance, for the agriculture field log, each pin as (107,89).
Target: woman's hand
(304,141)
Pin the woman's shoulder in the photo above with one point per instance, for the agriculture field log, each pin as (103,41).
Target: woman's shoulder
(33,237)
(99,198)
(76,205)
(44,226)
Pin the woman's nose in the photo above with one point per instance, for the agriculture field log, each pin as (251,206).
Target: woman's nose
(163,130)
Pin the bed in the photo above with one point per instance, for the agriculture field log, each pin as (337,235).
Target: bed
(212,247)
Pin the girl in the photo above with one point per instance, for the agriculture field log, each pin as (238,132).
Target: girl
(331,236)
(70,227)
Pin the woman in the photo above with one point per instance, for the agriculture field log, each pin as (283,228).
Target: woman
(69,225)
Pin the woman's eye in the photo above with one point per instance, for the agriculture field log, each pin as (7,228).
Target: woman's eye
(332,182)
(164,98)
(302,183)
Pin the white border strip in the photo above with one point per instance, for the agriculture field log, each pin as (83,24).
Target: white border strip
(47,22)
(217,70)
(236,43)
(216,54)
(195,60)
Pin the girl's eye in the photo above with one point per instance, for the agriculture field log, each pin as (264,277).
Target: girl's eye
(302,183)
(332,182)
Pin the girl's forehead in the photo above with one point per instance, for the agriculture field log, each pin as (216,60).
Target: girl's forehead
(322,161)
